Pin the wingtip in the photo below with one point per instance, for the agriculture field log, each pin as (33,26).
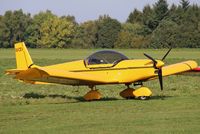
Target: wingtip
(197,69)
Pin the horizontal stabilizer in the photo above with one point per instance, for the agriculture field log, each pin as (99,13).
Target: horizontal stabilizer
(13,71)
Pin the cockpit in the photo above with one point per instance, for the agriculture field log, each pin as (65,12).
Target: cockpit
(105,57)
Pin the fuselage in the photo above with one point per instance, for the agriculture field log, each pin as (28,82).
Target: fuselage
(126,71)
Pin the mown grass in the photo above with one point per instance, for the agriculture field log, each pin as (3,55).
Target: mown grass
(26,108)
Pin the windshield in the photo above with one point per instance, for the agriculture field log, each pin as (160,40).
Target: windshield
(105,57)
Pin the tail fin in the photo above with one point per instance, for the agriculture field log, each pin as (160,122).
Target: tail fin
(23,59)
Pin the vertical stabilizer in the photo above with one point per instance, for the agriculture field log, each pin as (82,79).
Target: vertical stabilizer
(23,59)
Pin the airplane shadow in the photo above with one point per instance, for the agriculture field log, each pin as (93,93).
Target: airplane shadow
(33,95)
(159,97)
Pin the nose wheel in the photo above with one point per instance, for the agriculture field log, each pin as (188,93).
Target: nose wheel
(143,97)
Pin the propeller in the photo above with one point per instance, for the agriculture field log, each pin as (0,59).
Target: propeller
(154,61)
(166,54)
(159,70)
(160,76)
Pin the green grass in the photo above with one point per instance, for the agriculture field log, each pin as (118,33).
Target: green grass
(26,108)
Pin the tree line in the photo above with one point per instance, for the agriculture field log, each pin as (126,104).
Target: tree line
(157,26)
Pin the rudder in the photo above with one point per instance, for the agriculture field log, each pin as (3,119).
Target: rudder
(23,58)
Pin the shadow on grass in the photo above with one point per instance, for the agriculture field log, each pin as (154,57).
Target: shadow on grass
(34,96)
(159,97)
(54,96)
(108,99)
(81,99)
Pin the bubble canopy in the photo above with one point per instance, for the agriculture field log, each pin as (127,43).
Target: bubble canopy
(105,57)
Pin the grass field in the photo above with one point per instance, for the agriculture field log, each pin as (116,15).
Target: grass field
(26,108)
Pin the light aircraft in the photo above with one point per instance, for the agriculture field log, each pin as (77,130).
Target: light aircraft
(100,68)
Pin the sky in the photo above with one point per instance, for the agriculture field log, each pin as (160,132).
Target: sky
(83,10)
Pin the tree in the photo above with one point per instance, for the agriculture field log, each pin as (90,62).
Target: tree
(4,33)
(130,37)
(108,30)
(33,31)
(155,26)
(48,30)
(161,9)
(86,35)
(56,32)
(189,31)
(70,18)
(135,17)
(165,35)
(125,36)
(148,14)
(12,27)
(185,4)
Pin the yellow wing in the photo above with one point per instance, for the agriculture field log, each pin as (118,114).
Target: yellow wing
(179,68)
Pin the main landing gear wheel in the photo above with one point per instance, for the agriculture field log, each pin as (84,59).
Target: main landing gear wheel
(93,94)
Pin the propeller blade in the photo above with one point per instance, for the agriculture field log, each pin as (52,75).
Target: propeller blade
(154,61)
(166,54)
(160,78)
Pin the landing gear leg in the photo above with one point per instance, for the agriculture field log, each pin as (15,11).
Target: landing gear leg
(93,94)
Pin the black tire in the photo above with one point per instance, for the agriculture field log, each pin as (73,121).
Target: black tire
(129,98)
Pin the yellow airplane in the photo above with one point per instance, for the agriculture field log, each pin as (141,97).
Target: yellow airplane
(100,68)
